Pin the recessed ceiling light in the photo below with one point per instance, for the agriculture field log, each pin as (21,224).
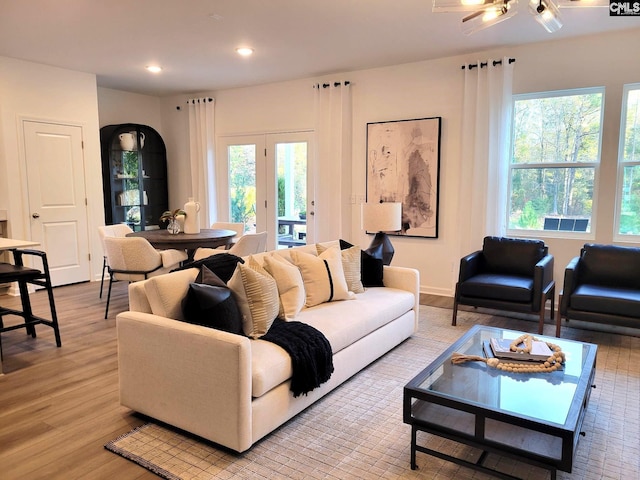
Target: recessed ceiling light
(154,68)
(244,51)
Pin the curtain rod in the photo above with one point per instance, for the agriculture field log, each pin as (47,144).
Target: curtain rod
(196,100)
(335,84)
(484,64)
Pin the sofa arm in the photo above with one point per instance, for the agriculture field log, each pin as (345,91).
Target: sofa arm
(570,284)
(470,265)
(404,278)
(193,377)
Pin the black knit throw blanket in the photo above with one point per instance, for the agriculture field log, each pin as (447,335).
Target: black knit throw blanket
(310,351)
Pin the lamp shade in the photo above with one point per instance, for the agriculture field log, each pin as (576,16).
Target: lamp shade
(382,217)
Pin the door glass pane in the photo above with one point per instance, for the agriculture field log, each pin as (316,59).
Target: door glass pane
(291,170)
(242,185)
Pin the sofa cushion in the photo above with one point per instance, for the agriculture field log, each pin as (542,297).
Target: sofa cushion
(610,265)
(209,302)
(511,288)
(514,256)
(607,300)
(323,276)
(290,285)
(222,264)
(165,292)
(343,323)
(256,293)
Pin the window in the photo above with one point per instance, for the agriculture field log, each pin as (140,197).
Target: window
(628,219)
(555,152)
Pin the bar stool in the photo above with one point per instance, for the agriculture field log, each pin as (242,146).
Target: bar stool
(25,275)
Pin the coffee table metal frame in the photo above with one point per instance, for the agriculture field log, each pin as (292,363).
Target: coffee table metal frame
(489,428)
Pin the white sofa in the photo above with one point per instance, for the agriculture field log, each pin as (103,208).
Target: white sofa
(234,390)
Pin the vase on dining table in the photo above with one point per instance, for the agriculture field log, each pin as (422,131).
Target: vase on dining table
(174,226)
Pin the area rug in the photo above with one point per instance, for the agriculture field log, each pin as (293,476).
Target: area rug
(356,431)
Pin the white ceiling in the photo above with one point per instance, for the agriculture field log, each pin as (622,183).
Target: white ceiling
(194,40)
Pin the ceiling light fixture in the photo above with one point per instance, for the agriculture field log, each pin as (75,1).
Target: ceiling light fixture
(488,15)
(154,68)
(244,51)
(546,14)
(490,12)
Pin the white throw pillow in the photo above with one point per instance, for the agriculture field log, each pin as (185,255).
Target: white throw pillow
(256,293)
(351,260)
(290,285)
(323,276)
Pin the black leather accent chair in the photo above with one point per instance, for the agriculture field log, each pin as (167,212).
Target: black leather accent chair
(507,274)
(602,285)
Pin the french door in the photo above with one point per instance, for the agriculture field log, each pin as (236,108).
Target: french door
(266,184)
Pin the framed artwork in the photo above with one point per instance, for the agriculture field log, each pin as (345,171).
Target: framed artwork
(403,165)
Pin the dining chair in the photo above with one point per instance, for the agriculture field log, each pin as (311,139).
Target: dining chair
(237,227)
(17,272)
(248,244)
(117,230)
(134,259)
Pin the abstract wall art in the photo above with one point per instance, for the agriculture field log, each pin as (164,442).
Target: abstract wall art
(403,165)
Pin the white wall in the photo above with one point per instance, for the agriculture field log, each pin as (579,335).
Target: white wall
(427,89)
(116,106)
(39,92)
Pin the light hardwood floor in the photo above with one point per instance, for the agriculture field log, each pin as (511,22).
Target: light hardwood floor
(59,406)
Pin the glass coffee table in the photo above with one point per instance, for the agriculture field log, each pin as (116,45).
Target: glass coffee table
(534,418)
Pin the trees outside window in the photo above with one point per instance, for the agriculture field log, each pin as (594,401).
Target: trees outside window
(555,152)
(628,212)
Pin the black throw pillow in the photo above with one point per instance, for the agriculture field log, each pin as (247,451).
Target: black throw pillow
(371,266)
(222,264)
(209,302)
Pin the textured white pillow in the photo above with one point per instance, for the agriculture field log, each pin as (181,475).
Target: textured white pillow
(256,293)
(290,285)
(351,260)
(323,276)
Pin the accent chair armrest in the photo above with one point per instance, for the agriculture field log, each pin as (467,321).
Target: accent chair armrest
(542,277)
(570,283)
(470,265)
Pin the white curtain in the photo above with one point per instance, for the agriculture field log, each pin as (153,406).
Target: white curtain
(486,124)
(202,158)
(332,161)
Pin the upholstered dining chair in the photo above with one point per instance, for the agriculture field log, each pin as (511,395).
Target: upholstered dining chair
(248,244)
(134,259)
(117,230)
(237,227)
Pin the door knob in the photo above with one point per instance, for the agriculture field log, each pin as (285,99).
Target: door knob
(35,215)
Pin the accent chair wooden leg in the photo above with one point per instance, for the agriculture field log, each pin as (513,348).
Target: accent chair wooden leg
(559,316)
(455,313)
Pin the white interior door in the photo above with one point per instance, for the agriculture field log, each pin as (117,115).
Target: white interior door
(57,198)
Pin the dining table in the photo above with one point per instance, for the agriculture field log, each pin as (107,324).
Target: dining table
(207,237)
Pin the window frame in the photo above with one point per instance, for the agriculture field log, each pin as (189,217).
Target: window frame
(589,235)
(617,236)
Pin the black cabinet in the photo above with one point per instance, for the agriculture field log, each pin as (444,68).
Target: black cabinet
(134,175)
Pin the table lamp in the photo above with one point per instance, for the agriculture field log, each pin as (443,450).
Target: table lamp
(382,217)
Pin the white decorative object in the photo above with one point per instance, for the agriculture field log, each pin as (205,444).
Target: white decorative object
(192,219)
(129,142)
